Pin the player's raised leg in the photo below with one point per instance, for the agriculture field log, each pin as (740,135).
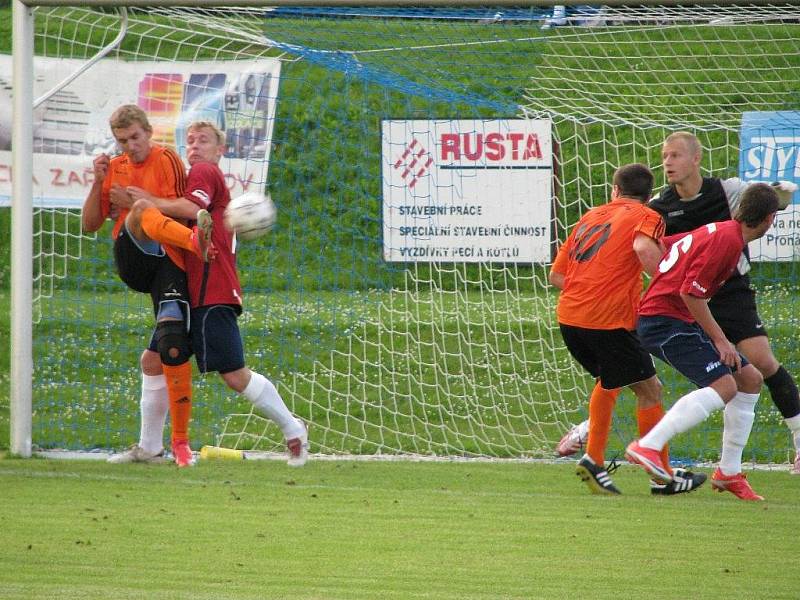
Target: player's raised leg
(165,230)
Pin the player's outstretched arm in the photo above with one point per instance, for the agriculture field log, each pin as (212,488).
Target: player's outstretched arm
(734,187)
(785,190)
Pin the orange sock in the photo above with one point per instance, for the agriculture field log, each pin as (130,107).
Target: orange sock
(647,419)
(601,408)
(165,230)
(179,390)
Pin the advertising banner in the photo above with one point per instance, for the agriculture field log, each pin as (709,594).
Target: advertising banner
(71,127)
(769,150)
(467,190)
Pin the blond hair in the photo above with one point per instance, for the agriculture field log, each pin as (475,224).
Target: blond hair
(128,114)
(691,141)
(208,125)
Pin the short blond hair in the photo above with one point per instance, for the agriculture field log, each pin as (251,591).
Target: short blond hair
(208,125)
(128,114)
(689,139)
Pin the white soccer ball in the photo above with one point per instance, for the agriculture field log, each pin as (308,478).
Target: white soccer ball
(250,215)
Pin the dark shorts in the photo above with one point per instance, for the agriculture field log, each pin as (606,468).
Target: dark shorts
(685,346)
(216,340)
(614,356)
(148,273)
(737,314)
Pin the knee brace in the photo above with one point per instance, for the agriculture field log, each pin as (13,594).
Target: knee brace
(172,342)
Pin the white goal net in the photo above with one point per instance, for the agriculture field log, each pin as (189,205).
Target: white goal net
(442,358)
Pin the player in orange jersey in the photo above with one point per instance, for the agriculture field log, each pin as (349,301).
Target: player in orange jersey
(146,266)
(599,272)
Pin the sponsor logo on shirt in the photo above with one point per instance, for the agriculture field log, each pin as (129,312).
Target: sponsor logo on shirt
(699,287)
(202,196)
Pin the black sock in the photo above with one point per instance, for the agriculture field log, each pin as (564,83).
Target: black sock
(784,393)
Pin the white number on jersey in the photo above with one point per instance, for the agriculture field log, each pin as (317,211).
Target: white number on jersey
(680,247)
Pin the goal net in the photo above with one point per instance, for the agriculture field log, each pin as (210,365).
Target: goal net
(437,355)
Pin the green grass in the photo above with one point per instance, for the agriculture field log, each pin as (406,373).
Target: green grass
(344,530)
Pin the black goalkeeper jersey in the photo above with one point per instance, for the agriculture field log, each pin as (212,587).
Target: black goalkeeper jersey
(709,206)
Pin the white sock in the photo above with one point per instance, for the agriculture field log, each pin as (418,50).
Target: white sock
(688,411)
(738,417)
(265,398)
(154,405)
(793,423)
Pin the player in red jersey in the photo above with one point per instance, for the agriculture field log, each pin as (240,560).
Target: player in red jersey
(146,266)
(690,200)
(599,272)
(676,325)
(214,288)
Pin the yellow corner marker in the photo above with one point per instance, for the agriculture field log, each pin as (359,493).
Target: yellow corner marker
(217,452)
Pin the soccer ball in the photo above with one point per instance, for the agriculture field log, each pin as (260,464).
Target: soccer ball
(250,215)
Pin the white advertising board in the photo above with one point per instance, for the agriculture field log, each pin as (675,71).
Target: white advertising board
(467,190)
(71,127)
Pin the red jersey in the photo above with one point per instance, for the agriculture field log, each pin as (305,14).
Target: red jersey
(206,188)
(603,274)
(697,264)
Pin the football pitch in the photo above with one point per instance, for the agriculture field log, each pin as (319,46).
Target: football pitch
(349,530)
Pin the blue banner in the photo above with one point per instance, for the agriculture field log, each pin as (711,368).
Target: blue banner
(769,150)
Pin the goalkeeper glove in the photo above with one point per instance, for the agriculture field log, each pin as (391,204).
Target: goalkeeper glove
(785,190)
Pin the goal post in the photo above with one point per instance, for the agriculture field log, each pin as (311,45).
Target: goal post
(21,339)
(387,348)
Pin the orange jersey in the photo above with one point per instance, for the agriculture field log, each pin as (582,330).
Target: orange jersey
(602,273)
(162,174)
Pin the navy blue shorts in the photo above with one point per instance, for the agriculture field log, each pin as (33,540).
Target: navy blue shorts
(216,341)
(614,356)
(685,346)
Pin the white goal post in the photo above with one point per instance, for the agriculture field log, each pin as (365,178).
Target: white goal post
(424,358)
(21,339)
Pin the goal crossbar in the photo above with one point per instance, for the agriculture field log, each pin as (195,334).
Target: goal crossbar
(370,3)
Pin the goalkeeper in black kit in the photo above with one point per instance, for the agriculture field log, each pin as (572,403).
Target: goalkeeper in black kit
(689,201)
